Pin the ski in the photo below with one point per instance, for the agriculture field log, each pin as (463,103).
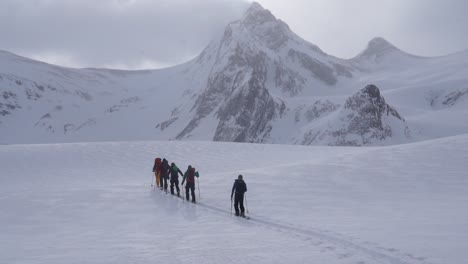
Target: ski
(245,217)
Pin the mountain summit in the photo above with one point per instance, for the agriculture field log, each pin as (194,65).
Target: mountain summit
(381,52)
(257,15)
(378,47)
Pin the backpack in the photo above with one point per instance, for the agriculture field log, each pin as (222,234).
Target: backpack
(241,187)
(164,168)
(157,163)
(191,175)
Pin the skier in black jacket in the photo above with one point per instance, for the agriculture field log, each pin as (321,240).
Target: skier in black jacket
(239,188)
(174,171)
(164,173)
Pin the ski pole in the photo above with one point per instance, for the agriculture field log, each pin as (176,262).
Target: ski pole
(183,193)
(231,205)
(151,180)
(246,205)
(198,183)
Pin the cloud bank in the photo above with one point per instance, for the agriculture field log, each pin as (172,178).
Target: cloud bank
(137,34)
(128,34)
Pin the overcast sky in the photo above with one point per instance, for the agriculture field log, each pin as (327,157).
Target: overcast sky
(136,34)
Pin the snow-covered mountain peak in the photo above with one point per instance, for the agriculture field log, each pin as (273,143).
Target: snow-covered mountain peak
(371,91)
(257,15)
(365,119)
(264,26)
(368,96)
(378,47)
(380,44)
(381,54)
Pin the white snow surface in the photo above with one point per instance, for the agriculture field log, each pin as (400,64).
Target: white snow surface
(93,203)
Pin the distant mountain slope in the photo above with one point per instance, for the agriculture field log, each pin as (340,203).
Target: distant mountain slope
(257,82)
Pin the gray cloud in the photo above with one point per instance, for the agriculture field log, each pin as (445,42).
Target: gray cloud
(135,34)
(113,33)
(343,27)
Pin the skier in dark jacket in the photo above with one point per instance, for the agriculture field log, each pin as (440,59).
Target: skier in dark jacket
(164,173)
(174,171)
(239,188)
(190,175)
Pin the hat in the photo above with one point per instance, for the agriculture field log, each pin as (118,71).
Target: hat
(240,177)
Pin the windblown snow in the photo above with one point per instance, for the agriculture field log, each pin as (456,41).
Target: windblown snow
(93,203)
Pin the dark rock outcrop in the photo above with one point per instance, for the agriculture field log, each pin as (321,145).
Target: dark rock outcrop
(364,119)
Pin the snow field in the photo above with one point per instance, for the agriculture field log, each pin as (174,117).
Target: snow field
(92,203)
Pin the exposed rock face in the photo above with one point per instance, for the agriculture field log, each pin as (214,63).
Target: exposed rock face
(244,106)
(367,114)
(454,97)
(246,116)
(237,92)
(364,119)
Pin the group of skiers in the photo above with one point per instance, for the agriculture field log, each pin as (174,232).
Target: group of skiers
(163,171)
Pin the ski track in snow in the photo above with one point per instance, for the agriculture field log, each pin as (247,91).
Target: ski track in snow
(328,241)
(94,184)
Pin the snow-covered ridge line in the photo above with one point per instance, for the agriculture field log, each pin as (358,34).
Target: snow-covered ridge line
(258,82)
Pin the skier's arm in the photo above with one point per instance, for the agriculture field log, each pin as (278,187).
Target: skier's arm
(233,188)
(245,187)
(183,179)
(180,172)
(196,174)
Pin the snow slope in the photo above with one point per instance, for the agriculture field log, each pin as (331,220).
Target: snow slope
(92,203)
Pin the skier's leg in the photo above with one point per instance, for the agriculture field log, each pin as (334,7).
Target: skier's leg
(241,203)
(177,187)
(172,186)
(158,178)
(236,203)
(192,188)
(187,191)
